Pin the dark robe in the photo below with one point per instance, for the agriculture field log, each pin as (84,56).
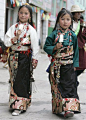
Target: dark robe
(82,53)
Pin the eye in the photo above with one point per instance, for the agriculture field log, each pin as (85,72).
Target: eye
(26,13)
(68,19)
(62,19)
(21,12)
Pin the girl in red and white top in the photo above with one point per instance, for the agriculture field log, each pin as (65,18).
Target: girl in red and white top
(23,42)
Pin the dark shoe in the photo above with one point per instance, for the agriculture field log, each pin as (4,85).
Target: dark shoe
(68,114)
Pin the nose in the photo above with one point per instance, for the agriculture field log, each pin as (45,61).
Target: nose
(65,21)
(23,14)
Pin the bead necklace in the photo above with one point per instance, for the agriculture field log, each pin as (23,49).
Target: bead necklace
(59,32)
(24,32)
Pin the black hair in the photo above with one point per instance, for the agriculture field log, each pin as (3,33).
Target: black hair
(30,10)
(61,13)
(73,13)
(81,17)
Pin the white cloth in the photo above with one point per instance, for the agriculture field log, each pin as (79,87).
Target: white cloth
(33,35)
(75,25)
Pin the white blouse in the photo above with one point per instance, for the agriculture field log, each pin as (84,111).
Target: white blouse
(75,25)
(33,35)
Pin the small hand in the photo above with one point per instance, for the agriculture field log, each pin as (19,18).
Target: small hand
(18,33)
(58,45)
(34,65)
(74,69)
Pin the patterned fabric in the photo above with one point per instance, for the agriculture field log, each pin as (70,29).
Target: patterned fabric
(17,99)
(28,37)
(16,102)
(23,38)
(57,78)
(64,55)
(69,40)
(60,104)
(20,63)
(61,73)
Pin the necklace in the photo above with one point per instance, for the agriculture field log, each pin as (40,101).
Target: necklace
(59,32)
(23,36)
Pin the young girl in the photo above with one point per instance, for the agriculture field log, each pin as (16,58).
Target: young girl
(23,42)
(62,45)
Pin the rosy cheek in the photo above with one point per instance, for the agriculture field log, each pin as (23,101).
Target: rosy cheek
(69,23)
(27,17)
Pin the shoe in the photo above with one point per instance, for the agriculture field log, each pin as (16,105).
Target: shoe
(68,114)
(16,112)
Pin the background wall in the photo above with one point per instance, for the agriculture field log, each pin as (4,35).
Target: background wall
(2,18)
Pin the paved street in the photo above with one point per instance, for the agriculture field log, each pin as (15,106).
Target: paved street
(41,95)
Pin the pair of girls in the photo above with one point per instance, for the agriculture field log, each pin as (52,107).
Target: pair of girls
(61,45)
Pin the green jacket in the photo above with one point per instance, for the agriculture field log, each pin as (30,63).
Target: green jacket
(50,44)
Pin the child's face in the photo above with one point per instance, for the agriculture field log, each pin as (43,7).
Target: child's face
(24,15)
(65,21)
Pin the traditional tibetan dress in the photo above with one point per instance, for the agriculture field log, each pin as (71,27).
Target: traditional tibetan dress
(21,54)
(62,75)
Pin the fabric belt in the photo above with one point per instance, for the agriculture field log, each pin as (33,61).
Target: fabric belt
(62,62)
(19,48)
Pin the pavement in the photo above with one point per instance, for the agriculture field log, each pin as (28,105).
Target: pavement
(41,107)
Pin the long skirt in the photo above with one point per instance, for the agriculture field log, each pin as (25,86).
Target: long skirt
(64,93)
(20,92)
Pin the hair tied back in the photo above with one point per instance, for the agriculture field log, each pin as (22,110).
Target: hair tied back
(63,9)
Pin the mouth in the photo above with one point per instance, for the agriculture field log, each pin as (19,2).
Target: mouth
(65,25)
(22,18)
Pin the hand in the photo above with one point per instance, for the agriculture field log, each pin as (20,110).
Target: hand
(58,45)
(18,33)
(34,65)
(4,57)
(74,69)
(14,39)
